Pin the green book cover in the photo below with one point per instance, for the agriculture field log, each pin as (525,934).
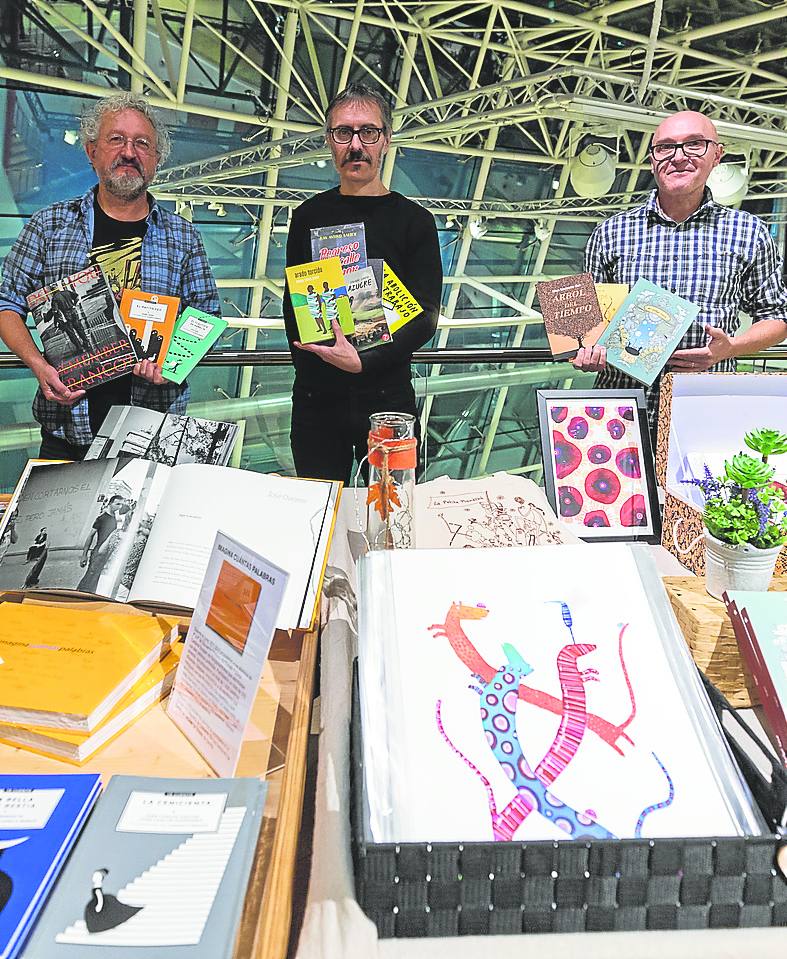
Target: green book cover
(318,292)
(195,333)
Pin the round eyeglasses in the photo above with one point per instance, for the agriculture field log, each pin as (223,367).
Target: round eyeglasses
(141,144)
(695,147)
(367,135)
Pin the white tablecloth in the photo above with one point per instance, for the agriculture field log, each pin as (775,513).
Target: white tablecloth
(334,927)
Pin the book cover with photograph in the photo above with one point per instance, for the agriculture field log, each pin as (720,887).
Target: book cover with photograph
(318,293)
(347,241)
(150,321)
(646,330)
(169,438)
(371,326)
(572,314)
(82,334)
(195,334)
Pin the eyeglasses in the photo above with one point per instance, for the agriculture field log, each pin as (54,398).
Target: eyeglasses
(141,144)
(367,135)
(696,147)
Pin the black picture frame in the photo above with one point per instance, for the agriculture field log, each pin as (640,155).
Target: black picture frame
(615,532)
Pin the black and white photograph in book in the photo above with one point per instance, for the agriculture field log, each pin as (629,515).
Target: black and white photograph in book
(81,332)
(75,526)
(163,437)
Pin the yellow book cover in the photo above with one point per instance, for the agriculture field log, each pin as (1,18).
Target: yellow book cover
(318,293)
(399,303)
(65,668)
(77,748)
(610,296)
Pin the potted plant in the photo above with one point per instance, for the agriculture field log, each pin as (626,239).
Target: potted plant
(745,517)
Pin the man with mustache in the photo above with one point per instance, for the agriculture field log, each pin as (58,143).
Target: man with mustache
(721,259)
(337,388)
(119,226)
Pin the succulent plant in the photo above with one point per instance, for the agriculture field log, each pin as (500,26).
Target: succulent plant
(766,442)
(747,471)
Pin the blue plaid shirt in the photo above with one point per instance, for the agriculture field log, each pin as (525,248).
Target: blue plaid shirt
(720,259)
(56,242)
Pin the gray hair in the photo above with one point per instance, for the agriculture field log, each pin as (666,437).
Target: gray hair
(355,92)
(91,120)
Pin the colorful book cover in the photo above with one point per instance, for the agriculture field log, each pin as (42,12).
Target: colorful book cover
(150,321)
(66,668)
(646,330)
(40,819)
(347,241)
(318,293)
(611,297)
(160,872)
(82,334)
(195,333)
(371,326)
(572,313)
(399,303)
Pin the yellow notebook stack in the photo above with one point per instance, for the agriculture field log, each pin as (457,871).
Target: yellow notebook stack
(67,668)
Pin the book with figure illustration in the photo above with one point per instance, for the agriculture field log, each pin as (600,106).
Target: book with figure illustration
(40,820)
(646,330)
(371,326)
(318,293)
(150,321)
(82,334)
(160,872)
(195,333)
(139,531)
(347,241)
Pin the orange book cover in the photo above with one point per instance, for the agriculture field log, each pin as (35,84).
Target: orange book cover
(66,668)
(150,320)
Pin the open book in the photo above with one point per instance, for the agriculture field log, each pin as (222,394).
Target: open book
(142,532)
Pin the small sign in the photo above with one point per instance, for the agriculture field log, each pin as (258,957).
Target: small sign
(165,813)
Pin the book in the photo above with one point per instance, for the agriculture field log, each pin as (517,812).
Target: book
(66,668)
(347,241)
(40,820)
(194,334)
(82,334)
(646,330)
(371,326)
(162,437)
(138,531)
(160,871)
(318,294)
(150,321)
(572,313)
(611,297)
(399,304)
(77,747)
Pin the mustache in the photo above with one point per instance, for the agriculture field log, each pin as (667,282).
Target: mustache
(122,161)
(353,156)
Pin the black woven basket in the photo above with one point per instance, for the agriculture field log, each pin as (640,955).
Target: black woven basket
(461,889)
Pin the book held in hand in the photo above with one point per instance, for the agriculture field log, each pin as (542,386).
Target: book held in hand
(40,820)
(646,330)
(399,304)
(160,871)
(572,314)
(195,333)
(371,326)
(347,241)
(318,292)
(82,334)
(150,320)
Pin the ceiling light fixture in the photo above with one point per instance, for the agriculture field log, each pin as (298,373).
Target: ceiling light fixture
(729,183)
(477,226)
(592,171)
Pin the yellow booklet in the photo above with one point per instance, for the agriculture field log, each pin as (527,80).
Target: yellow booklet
(610,297)
(77,748)
(399,303)
(65,668)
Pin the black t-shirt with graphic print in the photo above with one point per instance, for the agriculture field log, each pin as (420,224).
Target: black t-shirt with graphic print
(117,249)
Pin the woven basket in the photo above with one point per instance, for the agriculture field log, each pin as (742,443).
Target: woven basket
(710,636)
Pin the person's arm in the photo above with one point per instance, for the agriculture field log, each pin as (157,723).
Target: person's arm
(88,543)
(592,359)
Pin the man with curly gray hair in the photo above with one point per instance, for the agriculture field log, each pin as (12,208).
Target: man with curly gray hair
(140,246)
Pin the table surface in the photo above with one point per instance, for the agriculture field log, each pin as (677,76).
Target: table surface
(334,924)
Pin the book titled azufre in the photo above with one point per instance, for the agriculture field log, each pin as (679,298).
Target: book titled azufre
(82,334)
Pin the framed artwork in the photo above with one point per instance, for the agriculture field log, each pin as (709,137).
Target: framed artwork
(598,464)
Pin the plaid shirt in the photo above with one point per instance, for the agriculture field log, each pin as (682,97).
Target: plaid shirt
(720,259)
(56,242)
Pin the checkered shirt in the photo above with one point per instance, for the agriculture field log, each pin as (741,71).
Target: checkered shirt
(56,242)
(720,259)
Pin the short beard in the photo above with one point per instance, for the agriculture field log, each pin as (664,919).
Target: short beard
(126,187)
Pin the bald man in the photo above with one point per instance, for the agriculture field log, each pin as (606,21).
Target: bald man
(721,259)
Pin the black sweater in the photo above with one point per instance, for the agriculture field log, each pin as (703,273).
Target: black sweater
(404,235)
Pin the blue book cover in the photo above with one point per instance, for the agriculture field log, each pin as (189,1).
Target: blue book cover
(646,330)
(160,872)
(347,241)
(40,819)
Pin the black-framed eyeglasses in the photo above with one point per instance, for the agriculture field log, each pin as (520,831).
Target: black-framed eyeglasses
(366,134)
(695,147)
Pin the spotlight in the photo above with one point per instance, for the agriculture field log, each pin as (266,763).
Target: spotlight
(185,209)
(542,230)
(218,207)
(729,183)
(477,226)
(592,171)
(71,137)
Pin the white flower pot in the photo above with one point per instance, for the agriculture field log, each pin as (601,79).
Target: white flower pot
(737,567)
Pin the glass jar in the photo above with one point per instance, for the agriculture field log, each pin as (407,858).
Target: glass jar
(392,459)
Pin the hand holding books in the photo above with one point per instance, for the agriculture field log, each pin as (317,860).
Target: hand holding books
(341,353)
